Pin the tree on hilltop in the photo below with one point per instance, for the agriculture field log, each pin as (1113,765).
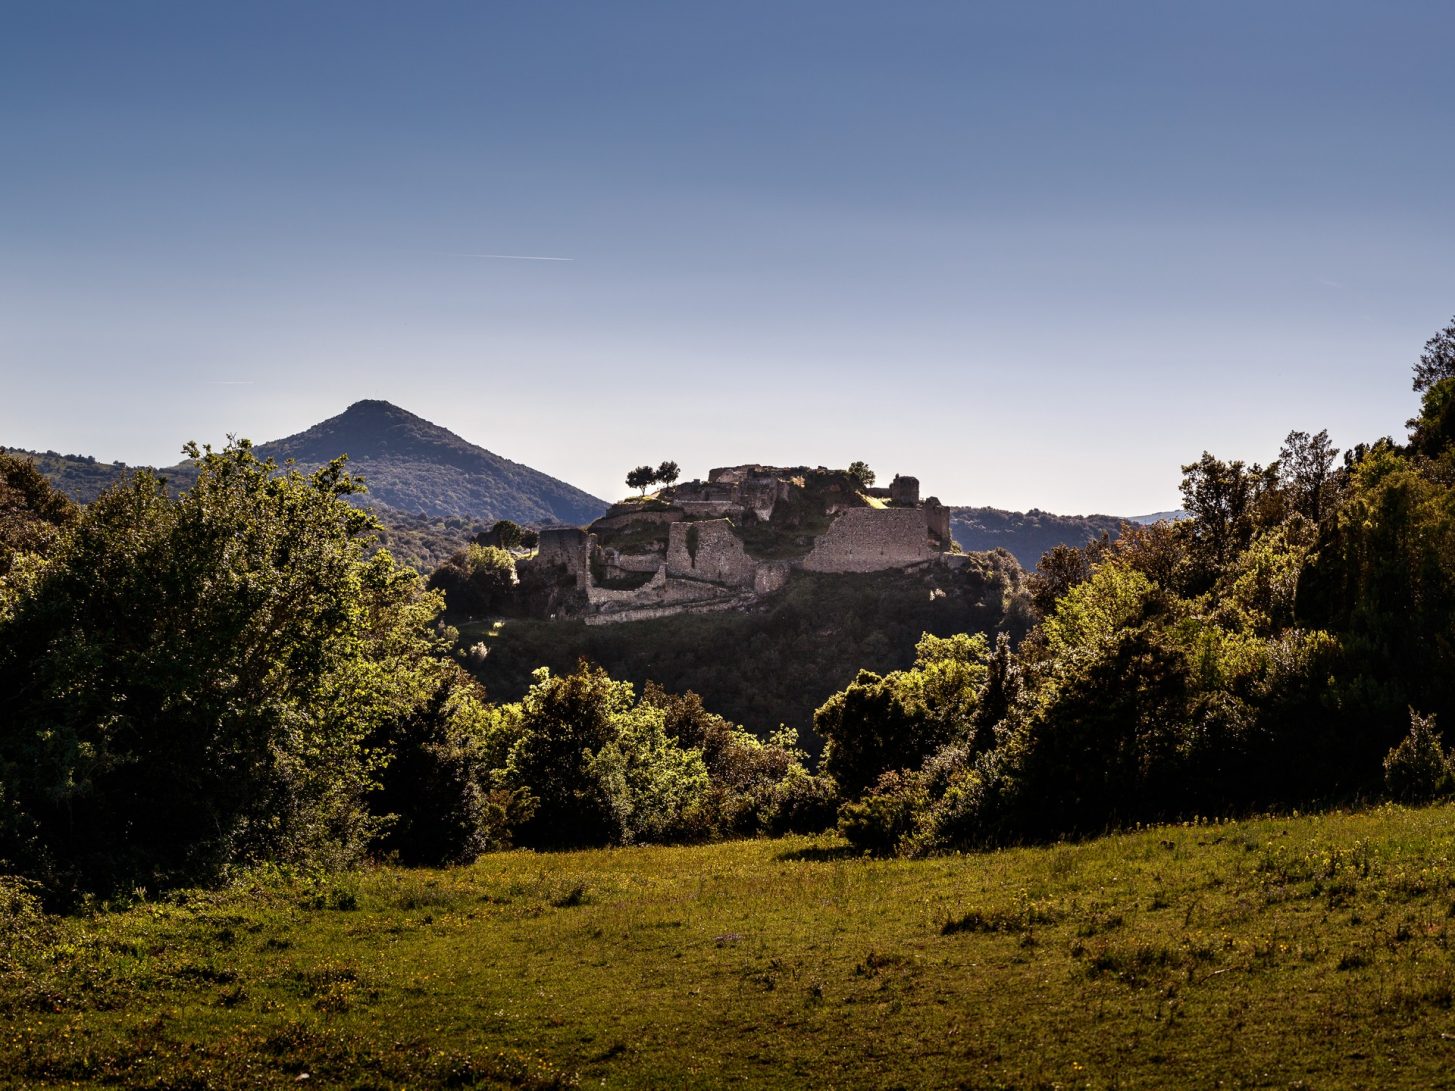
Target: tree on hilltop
(641,478)
(860,469)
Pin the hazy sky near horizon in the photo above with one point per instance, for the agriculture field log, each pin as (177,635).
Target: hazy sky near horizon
(1035,254)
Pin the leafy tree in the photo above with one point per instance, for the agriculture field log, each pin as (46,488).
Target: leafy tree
(505,534)
(1306,473)
(667,473)
(1385,581)
(860,470)
(1219,497)
(1437,362)
(436,796)
(476,581)
(1433,431)
(189,683)
(745,772)
(1094,613)
(599,768)
(641,478)
(1061,568)
(885,817)
(879,724)
(32,513)
(1418,769)
(1001,690)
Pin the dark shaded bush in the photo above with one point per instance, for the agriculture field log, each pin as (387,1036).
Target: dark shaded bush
(435,795)
(885,817)
(1418,769)
(476,582)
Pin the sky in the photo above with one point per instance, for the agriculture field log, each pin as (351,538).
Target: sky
(1035,254)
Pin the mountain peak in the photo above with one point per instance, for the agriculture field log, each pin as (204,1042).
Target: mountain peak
(416,465)
(376,407)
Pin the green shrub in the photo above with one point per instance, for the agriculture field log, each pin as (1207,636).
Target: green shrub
(878,724)
(800,803)
(435,797)
(477,581)
(1418,770)
(886,817)
(600,767)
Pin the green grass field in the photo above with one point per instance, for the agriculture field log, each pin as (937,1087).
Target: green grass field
(1278,952)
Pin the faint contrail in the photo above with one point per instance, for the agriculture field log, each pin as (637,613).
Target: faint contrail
(230,382)
(512,257)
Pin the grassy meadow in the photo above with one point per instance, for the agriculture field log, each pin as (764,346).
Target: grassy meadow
(1301,951)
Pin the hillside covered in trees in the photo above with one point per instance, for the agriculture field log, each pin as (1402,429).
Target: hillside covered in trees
(414,466)
(1027,535)
(415,472)
(775,664)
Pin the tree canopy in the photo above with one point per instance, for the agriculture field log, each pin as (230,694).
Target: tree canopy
(860,470)
(188,684)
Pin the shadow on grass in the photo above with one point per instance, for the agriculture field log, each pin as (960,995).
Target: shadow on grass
(821,853)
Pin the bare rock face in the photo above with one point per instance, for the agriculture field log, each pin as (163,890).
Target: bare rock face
(725,542)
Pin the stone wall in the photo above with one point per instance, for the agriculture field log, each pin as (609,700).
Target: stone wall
(620,564)
(937,520)
(568,547)
(620,520)
(709,550)
(904,491)
(710,509)
(870,540)
(649,613)
(771,576)
(606,597)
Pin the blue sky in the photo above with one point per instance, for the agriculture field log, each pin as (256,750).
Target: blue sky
(1036,254)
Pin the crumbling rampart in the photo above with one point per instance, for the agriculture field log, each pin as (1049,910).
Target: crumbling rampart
(723,543)
(709,549)
(871,540)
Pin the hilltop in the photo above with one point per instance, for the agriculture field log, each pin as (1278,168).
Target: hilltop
(411,465)
(726,542)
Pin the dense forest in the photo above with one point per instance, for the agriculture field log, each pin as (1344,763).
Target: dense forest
(200,682)
(1027,535)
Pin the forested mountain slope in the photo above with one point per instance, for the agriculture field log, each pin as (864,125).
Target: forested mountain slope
(411,465)
(1026,535)
(415,466)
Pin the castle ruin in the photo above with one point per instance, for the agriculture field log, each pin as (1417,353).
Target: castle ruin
(727,541)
